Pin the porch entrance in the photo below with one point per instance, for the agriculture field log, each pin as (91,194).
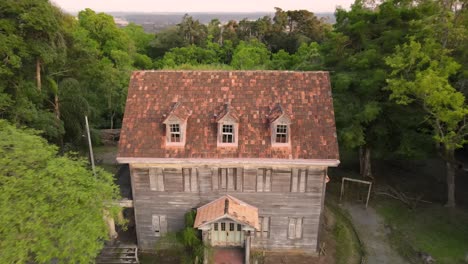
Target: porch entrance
(227,233)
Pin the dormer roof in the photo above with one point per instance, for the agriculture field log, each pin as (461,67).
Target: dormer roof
(178,111)
(227,113)
(278,114)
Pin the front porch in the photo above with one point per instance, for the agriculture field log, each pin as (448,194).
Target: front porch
(225,223)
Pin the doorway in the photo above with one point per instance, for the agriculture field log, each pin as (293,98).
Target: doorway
(225,233)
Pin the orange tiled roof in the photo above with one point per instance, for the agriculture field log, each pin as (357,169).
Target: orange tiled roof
(251,95)
(227,207)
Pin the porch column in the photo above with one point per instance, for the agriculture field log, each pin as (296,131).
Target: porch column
(247,247)
(206,241)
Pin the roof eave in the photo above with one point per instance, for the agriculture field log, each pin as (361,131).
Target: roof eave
(240,161)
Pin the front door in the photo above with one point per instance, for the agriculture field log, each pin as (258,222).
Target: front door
(227,233)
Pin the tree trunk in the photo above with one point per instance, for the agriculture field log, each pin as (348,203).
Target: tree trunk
(365,162)
(57,117)
(451,165)
(38,74)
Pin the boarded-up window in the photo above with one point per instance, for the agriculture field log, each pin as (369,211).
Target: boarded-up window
(228,179)
(159,225)
(295,228)
(190,179)
(299,180)
(264,231)
(263,180)
(156,178)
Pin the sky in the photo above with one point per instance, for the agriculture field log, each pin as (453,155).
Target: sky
(201,5)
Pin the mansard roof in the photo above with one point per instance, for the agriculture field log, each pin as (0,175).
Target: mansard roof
(304,96)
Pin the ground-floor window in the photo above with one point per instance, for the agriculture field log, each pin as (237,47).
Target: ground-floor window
(264,231)
(159,225)
(295,228)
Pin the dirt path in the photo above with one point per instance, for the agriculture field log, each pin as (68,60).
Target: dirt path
(371,230)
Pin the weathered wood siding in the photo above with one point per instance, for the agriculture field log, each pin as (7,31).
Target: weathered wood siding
(279,203)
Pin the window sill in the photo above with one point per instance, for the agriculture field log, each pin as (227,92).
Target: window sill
(175,144)
(280,145)
(227,145)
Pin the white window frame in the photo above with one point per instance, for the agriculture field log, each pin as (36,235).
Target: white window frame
(284,134)
(235,134)
(274,132)
(182,134)
(174,133)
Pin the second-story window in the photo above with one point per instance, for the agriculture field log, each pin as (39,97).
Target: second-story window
(281,134)
(228,134)
(174,131)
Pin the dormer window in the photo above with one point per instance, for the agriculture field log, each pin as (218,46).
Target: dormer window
(228,134)
(280,127)
(228,127)
(176,125)
(281,134)
(174,131)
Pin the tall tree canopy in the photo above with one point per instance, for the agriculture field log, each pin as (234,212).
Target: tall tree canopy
(52,206)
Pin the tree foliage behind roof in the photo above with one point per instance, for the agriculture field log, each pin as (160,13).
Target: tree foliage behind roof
(51,206)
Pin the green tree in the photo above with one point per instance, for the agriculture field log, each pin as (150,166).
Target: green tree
(355,51)
(421,74)
(52,206)
(250,55)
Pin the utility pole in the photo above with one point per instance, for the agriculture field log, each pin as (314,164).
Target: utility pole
(91,156)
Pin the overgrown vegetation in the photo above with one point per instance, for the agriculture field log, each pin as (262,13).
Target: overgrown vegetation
(51,206)
(433,229)
(185,245)
(348,248)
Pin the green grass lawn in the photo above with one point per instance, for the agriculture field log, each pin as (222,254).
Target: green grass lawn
(434,229)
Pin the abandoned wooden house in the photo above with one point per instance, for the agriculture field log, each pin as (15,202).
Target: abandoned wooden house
(249,150)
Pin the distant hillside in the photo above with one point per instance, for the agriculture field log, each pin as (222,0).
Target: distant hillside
(154,22)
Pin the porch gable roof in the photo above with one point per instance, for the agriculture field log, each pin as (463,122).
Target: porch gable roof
(227,207)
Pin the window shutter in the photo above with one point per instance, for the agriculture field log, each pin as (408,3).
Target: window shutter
(292,228)
(294,180)
(265,227)
(156,225)
(223,178)
(267,180)
(163,224)
(239,182)
(156,178)
(260,180)
(187,176)
(231,178)
(214,179)
(302,183)
(160,176)
(258,233)
(153,179)
(194,179)
(298,227)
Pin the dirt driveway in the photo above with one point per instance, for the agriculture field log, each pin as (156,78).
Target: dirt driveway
(371,231)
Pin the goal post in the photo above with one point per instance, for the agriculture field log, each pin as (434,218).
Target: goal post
(358,181)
